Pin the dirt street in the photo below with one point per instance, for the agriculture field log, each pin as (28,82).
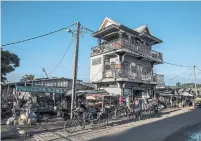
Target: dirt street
(153,129)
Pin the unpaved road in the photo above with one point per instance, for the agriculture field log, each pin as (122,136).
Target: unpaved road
(154,129)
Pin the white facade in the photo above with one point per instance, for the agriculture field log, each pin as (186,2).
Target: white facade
(123,63)
(96,68)
(114,91)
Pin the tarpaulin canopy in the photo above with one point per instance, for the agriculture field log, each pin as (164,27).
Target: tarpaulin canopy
(95,92)
(41,89)
(186,94)
(165,94)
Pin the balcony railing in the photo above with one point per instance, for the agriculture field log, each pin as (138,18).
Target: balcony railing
(157,55)
(105,48)
(137,48)
(158,78)
(125,73)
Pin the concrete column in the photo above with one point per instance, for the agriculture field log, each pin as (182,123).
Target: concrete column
(130,42)
(121,40)
(120,85)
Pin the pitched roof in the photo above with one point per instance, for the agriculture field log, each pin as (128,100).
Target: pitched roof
(107,21)
(143,28)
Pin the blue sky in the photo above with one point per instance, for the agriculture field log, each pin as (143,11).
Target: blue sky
(178,24)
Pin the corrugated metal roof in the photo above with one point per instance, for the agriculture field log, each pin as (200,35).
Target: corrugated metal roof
(140,29)
(41,89)
(108,20)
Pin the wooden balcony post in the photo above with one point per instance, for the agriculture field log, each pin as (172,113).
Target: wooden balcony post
(130,42)
(121,39)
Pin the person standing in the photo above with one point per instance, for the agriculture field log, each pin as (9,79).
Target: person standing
(120,100)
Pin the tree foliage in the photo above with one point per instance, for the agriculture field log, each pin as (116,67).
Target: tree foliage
(9,61)
(28,77)
(178,84)
(186,85)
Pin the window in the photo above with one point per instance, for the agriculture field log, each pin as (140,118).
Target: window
(96,61)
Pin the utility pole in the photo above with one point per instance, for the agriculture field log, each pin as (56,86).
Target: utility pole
(74,84)
(195,81)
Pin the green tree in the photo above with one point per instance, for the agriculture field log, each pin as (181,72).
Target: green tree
(28,77)
(9,61)
(178,84)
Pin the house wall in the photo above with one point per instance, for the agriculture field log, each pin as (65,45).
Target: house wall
(96,68)
(115,91)
(142,63)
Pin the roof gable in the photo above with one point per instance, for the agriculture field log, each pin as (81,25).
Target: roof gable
(107,21)
(143,29)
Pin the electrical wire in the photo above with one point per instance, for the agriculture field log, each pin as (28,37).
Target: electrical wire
(198,68)
(96,74)
(25,40)
(62,56)
(190,75)
(180,74)
(163,61)
(176,64)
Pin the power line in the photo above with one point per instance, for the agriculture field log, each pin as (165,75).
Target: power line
(25,40)
(198,68)
(62,57)
(163,61)
(127,46)
(190,75)
(179,74)
(176,64)
(96,74)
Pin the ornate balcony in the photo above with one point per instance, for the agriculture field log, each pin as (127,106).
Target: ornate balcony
(159,79)
(137,49)
(136,74)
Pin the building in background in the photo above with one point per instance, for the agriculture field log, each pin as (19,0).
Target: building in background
(44,85)
(122,63)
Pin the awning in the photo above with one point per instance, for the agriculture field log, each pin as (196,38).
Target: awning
(165,94)
(93,92)
(186,94)
(41,89)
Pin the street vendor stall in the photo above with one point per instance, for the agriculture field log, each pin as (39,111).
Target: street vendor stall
(47,100)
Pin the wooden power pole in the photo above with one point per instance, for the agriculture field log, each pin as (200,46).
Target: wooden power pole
(195,81)
(74,84)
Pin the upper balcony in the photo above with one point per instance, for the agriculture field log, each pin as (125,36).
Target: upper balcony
(136,49)
(135,74)
(159,79)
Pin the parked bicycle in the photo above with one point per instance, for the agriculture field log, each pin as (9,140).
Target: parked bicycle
(119,112)
(93,117)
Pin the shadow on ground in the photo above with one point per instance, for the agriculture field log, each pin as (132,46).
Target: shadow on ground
(156,131)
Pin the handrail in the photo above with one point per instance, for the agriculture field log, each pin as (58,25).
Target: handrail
(137,48)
